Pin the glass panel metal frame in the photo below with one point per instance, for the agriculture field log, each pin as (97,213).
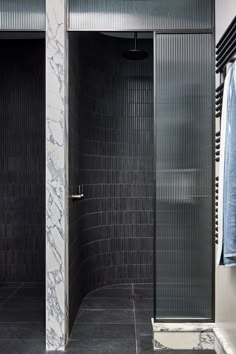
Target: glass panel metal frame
(184,319)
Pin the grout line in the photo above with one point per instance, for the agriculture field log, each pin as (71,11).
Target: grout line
(120,298)
(15,323)
(12,295)
(25,339)
(108,309)
(135,331)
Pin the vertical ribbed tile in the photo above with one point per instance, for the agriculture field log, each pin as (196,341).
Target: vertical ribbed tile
(56,176)
(22,177)
(140,15)
(22,15)
(183,144)
(111,154)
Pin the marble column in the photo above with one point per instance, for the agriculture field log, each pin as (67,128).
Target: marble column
(56,176)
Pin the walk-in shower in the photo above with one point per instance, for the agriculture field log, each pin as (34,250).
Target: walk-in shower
(141,152)
(107,164)
(111,158)
(140,148)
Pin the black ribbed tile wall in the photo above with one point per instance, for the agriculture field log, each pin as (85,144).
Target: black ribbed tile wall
(22,180)
(76,283)
(111,154)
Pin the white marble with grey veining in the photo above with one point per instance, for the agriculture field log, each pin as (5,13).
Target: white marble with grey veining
(206,340)
(181,336)
(218,347)
(196,336)
(56,176)
(222,346)
(184,340)
(182,327)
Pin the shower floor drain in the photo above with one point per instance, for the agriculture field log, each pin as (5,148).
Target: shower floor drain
(135,297)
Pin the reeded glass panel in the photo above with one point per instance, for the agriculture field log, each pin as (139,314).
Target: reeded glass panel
(108,15)
(183,128)
(22,15)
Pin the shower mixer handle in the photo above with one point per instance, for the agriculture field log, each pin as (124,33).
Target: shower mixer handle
(77,196)
(80,195)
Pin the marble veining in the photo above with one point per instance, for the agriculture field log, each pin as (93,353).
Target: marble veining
(206,341)
(196,336)
(222,346)
(56,176)
(159,346)
(193,336)
(182,327)
(184,340)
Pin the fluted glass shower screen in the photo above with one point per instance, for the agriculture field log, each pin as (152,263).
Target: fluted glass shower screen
(22,15)
(183,166)
(140,15)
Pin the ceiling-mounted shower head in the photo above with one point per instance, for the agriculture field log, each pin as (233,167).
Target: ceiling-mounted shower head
(135,54)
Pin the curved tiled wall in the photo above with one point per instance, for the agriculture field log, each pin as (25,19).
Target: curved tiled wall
(111,154)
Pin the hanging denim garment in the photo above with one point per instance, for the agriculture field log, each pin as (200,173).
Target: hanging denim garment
(227,174)
(229,194)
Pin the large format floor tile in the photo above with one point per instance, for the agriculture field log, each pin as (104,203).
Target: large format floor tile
(144,345)
(143,316)
(112,292)
(7,291)
(144,304)
(108,322)
(25,303)
(38,291)
(15,315)
(22,318)
(144,291)
(144,329)
(22,331)
(22,346)
(107,304)
(103,346)
(103,331)
(105,317)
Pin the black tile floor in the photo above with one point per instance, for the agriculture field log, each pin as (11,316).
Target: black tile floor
(108,321)
(22,318)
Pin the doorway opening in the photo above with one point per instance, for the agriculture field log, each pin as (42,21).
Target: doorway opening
(111,165)
(22,179)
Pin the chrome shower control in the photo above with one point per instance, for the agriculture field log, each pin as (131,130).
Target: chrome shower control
(80,195)
(77,196)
